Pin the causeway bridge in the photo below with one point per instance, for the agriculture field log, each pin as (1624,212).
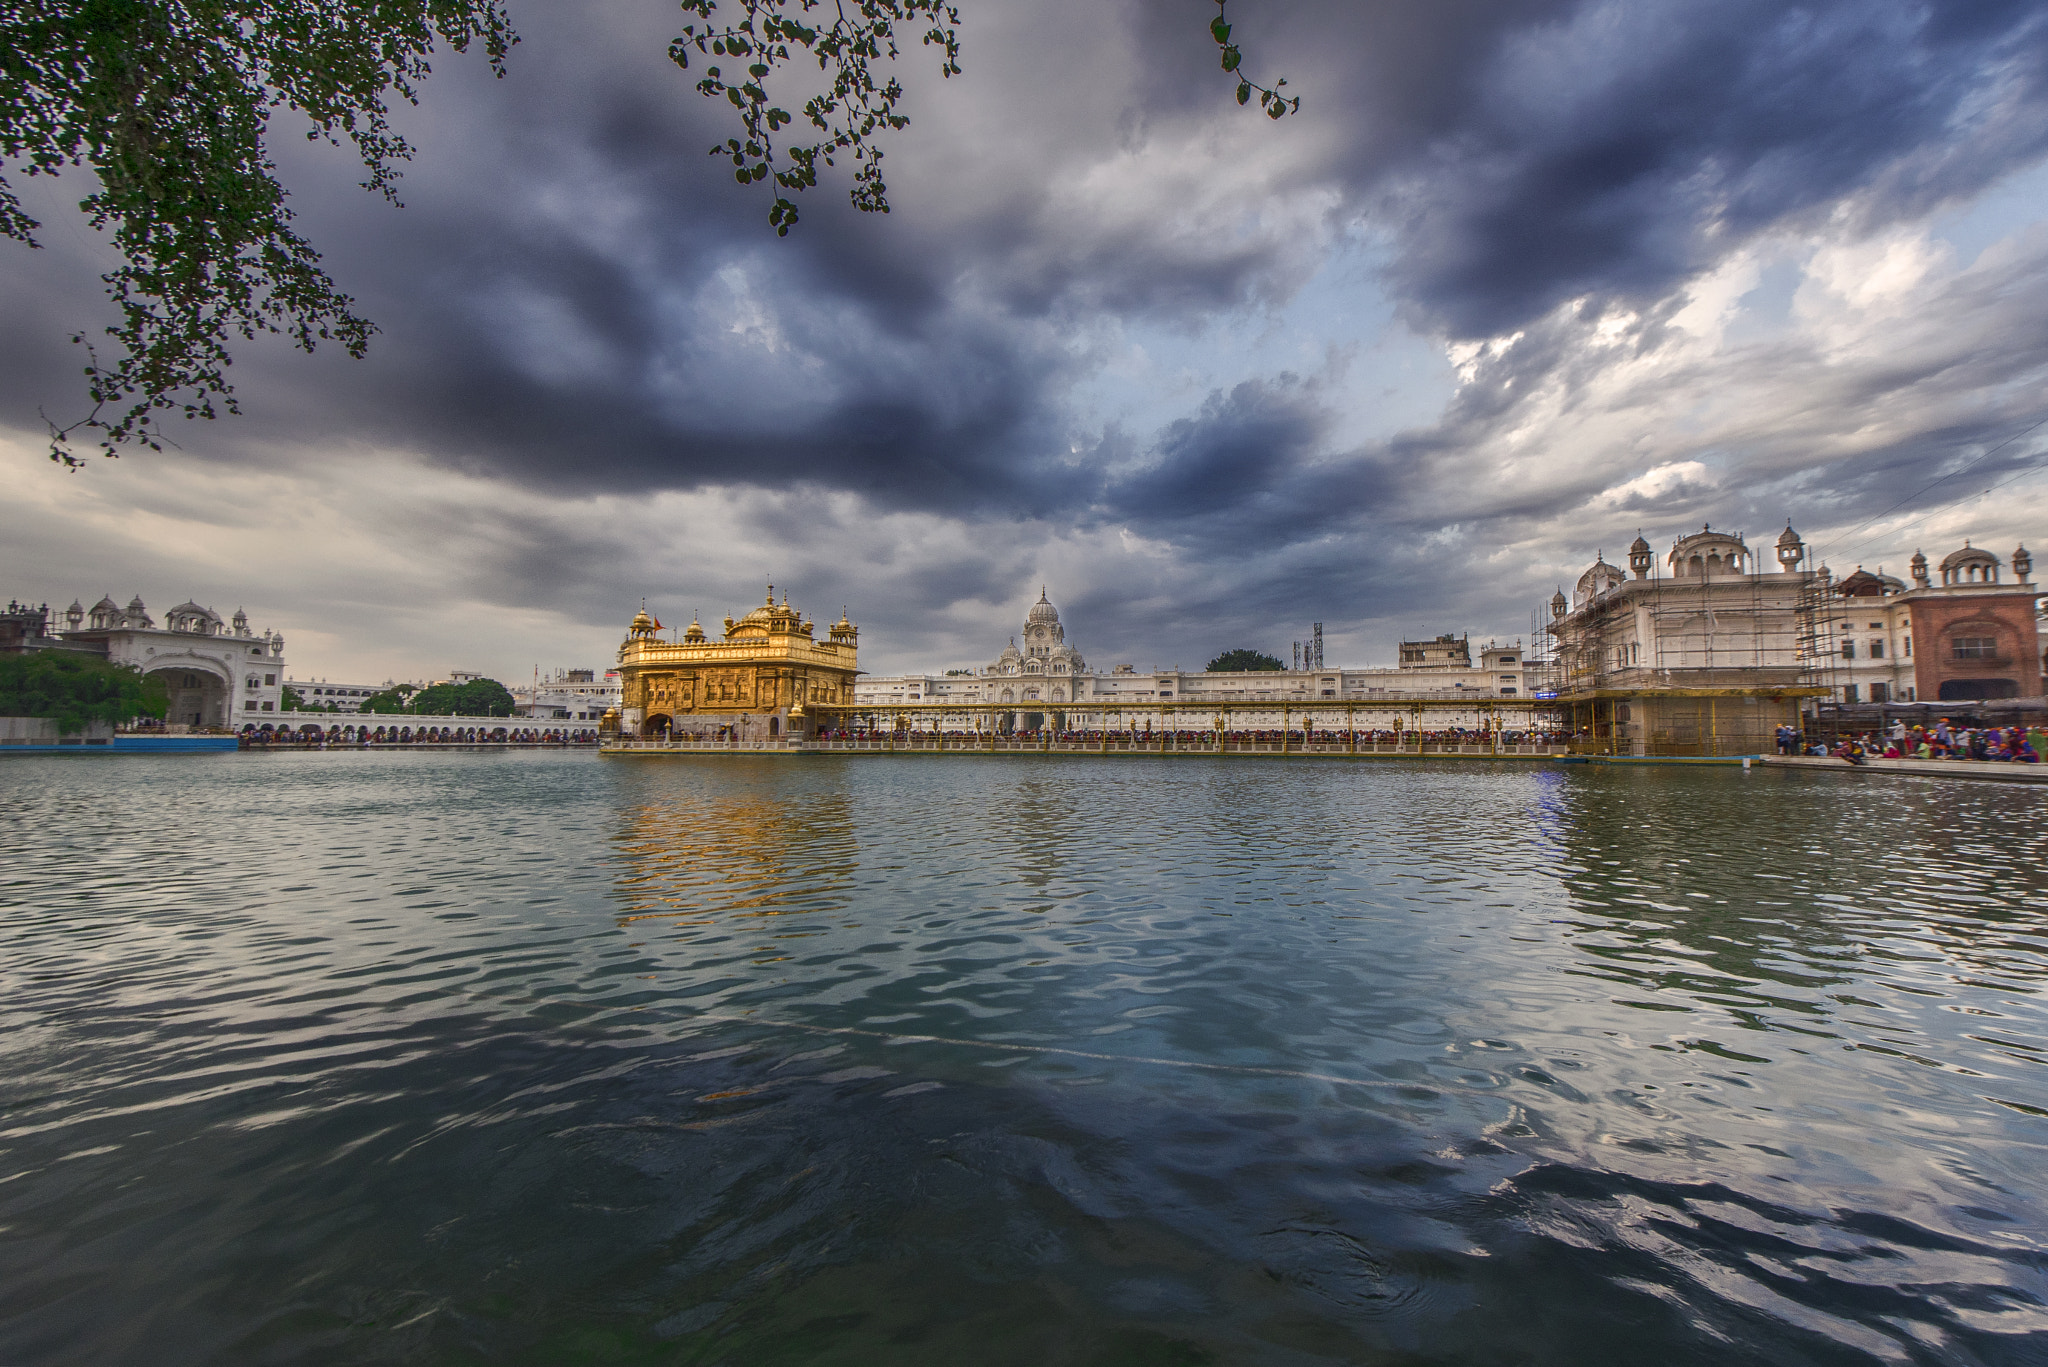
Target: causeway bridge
(403,728)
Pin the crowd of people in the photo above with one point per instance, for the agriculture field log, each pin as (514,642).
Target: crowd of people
(1145,736)
(1995,744)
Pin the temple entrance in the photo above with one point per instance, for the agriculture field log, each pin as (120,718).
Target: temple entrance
(198,698)
(655,727)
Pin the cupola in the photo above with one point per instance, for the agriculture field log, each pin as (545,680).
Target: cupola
(1791,550)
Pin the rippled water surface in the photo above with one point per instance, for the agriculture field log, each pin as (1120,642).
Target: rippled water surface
(539,1058)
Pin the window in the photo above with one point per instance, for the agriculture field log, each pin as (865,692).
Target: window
(1849,651)
(1880,692)
(1877,650)
(269,679)
(270,707)
(249,706)
(1907,643)
(1976,647)
(1851,693)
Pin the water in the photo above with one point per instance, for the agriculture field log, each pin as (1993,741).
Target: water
(532,1058)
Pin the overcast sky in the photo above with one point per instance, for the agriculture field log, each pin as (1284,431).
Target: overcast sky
(1520,280)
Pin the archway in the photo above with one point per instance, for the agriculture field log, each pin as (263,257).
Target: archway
(655,727)
(198,696)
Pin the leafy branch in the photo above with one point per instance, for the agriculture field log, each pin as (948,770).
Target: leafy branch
(168,102)
(853,114)
(1275,104)
(848,117)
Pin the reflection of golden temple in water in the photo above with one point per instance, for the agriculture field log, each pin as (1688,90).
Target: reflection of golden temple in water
(694,863)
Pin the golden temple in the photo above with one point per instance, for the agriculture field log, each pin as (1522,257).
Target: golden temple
(768,677)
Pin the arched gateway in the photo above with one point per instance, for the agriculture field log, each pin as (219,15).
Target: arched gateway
(198,695)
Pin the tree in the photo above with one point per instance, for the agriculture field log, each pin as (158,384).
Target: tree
(75,690)
(1244,662)
(474,698)
(392,699)
(168,103)
(294,701)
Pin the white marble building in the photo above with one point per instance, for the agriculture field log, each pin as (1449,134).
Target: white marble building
(217,673)
(570,695)
(1046,674)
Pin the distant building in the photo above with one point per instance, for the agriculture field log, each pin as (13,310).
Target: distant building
(1048,682)
(325,693)
(570,695)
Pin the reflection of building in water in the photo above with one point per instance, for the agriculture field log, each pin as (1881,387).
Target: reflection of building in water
(212,669)
(698,862)
(767,676)
(1713,655)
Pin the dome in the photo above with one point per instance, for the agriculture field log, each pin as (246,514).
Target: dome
(1788,537)
(1707,553)
(1638,545)
(642,622)
(1599,580)
(1968,555)
(76,607)
(1043,610)
(1970,565)
(106,604)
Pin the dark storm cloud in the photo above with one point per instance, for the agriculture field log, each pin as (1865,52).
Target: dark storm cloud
(1619,149)
(534,299)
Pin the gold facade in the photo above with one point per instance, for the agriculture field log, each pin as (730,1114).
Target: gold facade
(768,676)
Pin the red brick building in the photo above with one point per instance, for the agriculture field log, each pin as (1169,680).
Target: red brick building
(1975,631)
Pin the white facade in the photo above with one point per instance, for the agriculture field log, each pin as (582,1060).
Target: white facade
(324,693)
(217,673)
(570,695)
(1045,673)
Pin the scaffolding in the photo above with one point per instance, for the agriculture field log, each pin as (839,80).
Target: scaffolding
(1722,668)
(1820,653)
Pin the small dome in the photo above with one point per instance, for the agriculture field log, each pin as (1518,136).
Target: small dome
(642,622)
(1968,555)
(76,606)
(106,604)
(1638,546)
(135,605)
(1788,537)
(1043,610)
